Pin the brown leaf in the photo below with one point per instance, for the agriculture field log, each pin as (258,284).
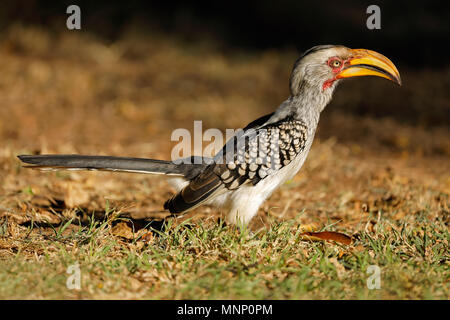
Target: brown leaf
(41,201)
(75,195)
(124,230)
(328,235)
(148,237)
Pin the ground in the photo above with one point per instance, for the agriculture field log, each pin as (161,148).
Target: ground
(378,171)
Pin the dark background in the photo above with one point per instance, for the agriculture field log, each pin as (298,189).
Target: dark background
(416,31)
(414,34)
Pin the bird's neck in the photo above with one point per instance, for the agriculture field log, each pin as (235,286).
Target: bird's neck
(310,102)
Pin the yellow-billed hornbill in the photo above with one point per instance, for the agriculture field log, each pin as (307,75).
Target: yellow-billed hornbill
(271,150)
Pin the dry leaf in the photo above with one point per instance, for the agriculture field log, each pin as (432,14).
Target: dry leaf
(327,235)
(124,230)
(148,237)
(75,195)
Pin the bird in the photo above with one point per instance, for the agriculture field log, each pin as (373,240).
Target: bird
(268,151)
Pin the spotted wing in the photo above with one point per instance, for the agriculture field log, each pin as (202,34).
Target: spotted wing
(261,152)
(258,152)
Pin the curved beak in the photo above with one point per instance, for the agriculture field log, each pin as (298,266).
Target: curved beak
(369,63)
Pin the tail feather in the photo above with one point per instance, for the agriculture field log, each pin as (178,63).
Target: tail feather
(107,163)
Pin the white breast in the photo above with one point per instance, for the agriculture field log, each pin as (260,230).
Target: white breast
(243,204)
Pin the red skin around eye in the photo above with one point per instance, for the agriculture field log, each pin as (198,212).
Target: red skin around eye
(335,71)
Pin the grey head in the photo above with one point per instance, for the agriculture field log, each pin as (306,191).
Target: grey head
(320,68)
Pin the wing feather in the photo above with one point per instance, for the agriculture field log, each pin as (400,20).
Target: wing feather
(240,162)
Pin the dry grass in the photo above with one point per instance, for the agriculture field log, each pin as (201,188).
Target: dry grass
(384,180)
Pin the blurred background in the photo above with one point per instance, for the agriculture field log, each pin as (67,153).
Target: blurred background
(413,30)
(412,34)
(137,70)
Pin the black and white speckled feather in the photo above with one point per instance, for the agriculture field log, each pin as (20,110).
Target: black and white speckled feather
(262,152)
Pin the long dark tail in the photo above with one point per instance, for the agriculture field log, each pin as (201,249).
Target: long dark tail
(107,163)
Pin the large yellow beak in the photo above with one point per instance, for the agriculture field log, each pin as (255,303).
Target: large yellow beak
(369,63)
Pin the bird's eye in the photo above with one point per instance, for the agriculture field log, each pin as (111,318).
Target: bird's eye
(335,63)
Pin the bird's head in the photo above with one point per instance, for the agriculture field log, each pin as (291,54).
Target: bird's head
(322,67)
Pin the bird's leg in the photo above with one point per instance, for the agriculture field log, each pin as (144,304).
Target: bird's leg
(243,209)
